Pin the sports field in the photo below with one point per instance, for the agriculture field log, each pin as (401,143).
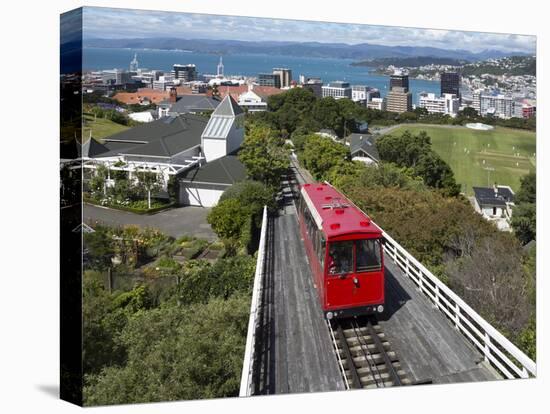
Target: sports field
(481,158)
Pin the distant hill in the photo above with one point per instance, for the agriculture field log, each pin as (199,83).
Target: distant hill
(411,62)
(363,51)
(512,65)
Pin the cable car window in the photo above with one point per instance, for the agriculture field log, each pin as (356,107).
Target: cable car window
(322,252)
(340,258)
(368,255)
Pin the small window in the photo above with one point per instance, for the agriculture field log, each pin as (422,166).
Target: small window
(368,255)
(340,258)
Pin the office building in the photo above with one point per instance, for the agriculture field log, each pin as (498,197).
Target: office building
(359,93)
(500,106)
(285,76)
(185,73)
(450,83)
(315,85)
(269,79)
(448,104)
(337,89)
(399,80)
(377,103)
(115,76)
(399,100)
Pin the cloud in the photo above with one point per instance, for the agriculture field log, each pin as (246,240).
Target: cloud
(126,23)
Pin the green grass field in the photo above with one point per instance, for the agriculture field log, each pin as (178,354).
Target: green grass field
(101,127)
(481,158)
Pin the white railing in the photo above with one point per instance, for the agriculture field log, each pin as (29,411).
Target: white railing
(249,354)
(498,350)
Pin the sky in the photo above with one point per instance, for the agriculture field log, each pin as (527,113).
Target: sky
(126,23)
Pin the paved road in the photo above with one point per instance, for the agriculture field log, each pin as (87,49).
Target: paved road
(175,222)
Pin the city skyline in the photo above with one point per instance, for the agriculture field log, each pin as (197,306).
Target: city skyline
(126,23)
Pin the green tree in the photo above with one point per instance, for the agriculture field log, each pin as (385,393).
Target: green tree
(177,353)
(528,189)
(264,155)
(227,219)
(148,183)
(524,222)
(320,154)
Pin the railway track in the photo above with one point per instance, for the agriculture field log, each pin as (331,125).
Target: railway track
(364,354)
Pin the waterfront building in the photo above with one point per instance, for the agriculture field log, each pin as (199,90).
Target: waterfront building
(337,89)
(185,73)
(447,104)
(285,76)
(269,79)
(450,83)
(115,76)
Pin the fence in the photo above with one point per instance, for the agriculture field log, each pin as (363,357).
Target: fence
(497,349)
(249,357)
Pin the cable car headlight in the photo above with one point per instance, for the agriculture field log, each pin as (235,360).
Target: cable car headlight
(330,315)
(380,308)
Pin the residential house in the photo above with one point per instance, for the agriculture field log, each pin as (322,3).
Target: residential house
(495,204)
(363,148)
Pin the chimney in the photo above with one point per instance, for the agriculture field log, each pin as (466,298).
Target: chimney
(173,95)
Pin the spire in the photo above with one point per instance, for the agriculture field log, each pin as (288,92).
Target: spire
(134,64)
(220,68)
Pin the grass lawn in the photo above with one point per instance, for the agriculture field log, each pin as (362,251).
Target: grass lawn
(480,158)
(101,127)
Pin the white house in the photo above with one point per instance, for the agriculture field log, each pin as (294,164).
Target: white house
(252,101)
(495,204)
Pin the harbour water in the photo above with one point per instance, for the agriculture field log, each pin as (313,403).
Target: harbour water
(327,69)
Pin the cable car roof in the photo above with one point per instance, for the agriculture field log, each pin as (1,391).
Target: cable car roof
(334,213)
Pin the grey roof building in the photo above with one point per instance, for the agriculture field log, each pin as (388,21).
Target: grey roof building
(495,204)
(188,104)
(363,146)
(198,151)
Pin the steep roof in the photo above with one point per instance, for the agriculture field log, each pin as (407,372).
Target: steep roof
(224,170)
(365,143)
(228,107)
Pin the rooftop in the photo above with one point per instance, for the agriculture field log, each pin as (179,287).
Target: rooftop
(164,137)
(365,143)
(224,170)
(493,196)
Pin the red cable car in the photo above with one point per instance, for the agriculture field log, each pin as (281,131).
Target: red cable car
(344,249)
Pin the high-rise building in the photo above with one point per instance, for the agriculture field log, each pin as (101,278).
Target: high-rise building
(450,83)
(399,80)
(399,99)
(269,79)
(185,73)
(285,76)
(337,89)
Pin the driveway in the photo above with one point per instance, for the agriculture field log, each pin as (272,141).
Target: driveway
(175,222)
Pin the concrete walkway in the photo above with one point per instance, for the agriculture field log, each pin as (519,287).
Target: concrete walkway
(175,222)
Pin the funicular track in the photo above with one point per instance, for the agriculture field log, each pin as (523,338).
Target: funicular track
(365,355)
